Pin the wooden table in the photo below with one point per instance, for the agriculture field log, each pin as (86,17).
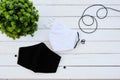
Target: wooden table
(97,59)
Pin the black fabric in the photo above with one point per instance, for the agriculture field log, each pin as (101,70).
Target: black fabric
(38,58)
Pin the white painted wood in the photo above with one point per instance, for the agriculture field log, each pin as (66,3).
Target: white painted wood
(91,60)
(64,79)
(39,79)
(68,73)
(42,35)
(72,22)
(97,59)
(81,60)
(99,47)
(23,73)
(71,11)
(76,2)
(94,72)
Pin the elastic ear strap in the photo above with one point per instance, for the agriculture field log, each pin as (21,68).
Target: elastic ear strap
(94,20)
(77,40)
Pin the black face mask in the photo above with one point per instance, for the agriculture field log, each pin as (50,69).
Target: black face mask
(38,58)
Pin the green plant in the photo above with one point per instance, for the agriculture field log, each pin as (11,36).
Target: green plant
(18,18)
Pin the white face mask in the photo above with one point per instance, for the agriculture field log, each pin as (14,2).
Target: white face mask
(62,38)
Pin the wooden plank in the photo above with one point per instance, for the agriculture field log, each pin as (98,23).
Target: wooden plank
(63,79)
(44,31)
(40,35)
(72,11)
(89,47)
(94,72)
(91,60)
(8,60)
(98,58)
(23,73)
(68,73)
(43,35)
(72,22)
(38,79)
(76,2)
(81,60)
(97,47)
(23,79)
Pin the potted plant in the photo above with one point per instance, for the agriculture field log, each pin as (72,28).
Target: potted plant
(18,18)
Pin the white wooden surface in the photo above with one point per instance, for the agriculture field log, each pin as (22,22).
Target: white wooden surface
(97,59)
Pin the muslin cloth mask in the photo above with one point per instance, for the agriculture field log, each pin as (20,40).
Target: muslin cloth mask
(62,38)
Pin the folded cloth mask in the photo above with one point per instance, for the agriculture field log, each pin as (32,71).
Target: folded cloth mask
(38,58)
(62,38)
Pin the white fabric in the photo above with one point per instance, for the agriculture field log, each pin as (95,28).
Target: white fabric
(62,38)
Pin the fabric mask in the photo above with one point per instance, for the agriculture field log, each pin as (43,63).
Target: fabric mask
(38,58)
(62,38)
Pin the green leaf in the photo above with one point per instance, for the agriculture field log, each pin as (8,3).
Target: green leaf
(11,12)
(22,1)
(12,23)
(10,29)
(18,18)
